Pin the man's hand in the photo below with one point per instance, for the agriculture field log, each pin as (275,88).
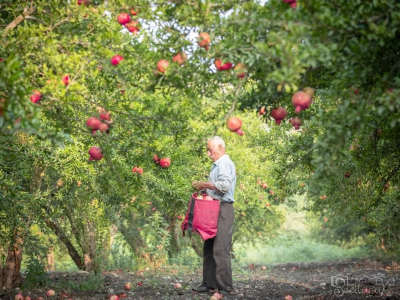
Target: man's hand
(201,185)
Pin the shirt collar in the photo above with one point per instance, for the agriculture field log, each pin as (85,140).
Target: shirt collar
(220,159)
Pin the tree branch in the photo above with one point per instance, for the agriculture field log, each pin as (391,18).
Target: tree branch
(19,19)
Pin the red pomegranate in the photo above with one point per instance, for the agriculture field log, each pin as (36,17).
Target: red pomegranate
(278,114)
(162,65)
(156,159)
(65,79)
(222,67)
(301,101)
(133,11)
(292,3)
(116,59)
(93,123)
(95,153)
(103,127)
(262,111)
(132,26)
(36,96)
(104,115)
(234,124)
(123,18)
(240,70)
(165,162)
(139,171)
(134,169)
(204,40)
(296,122)
(180,58)
(19,297)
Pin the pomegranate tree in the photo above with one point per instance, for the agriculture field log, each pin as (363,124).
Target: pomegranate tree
(95,153)
(234,124)
(301,101)
(278,114)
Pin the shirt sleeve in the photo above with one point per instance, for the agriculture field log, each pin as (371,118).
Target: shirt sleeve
(224,180)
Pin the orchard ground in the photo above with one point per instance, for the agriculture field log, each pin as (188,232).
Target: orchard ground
(354,279)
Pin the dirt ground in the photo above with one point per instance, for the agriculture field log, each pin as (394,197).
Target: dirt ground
(363,279)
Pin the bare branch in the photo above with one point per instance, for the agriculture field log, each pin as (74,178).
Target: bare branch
(19,19)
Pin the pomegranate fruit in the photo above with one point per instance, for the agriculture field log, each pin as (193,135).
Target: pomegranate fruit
(301,101)
(162,65)
(234,124)
(122,295)
(264,185)
(140,171)
(222,67)
(177,285)
(84,2)
(180,58)
(27,298)
(104,115)
(65,79)
(114,297)
(50,293)
(240,70)
(123,18)
(207,197)
(262,111)
(127,286)
(278,114)
(19,297)
(93,123)
(204,40)
(156,159)
(132,26)
(296,122)
(116,59)
(133,11)
(347,175)
(165,162)
(288,297)
(199,197)
(292,3)
(103,127)
(134,169)
(95,153)
(36,96)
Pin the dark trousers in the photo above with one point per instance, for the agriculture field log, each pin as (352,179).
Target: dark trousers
(217,270)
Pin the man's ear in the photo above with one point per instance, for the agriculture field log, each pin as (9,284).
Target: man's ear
(220,147)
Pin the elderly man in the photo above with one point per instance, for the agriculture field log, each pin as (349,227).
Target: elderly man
(217,271)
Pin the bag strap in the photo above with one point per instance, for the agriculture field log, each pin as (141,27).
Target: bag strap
(191,215)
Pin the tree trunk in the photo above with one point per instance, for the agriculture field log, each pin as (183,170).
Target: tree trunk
(11,274)
(71,249)
(89,246)
(50,260)
(133,238)
(196,247)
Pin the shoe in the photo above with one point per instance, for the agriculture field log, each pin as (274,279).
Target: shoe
(230,292)
(205,289)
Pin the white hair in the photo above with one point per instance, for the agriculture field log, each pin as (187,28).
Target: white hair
(219,140)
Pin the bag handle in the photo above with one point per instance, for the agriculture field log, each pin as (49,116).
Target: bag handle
(191,215)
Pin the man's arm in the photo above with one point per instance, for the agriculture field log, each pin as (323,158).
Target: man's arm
(223,182)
